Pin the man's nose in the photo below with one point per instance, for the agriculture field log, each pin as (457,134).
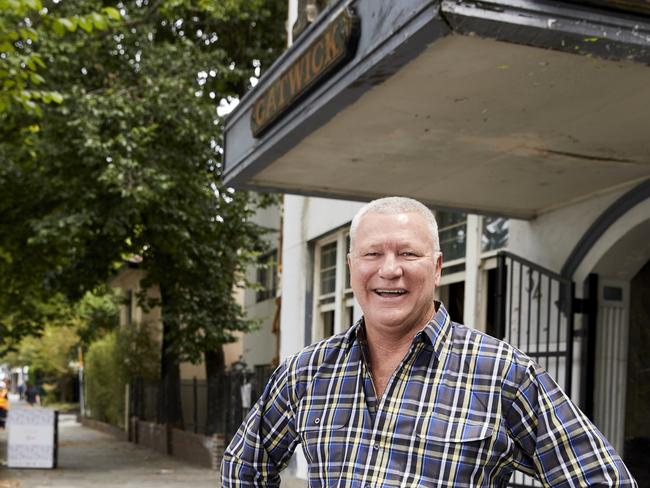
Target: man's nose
(390,267)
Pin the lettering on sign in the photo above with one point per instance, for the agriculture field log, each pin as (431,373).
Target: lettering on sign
(330,50)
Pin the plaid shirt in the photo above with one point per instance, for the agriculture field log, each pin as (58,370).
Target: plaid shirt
(462,409)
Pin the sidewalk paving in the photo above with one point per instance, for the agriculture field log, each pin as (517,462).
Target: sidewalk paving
(91,459)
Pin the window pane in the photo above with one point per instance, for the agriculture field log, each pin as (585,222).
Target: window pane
(328,268)
(452,230)
(349,313)
(328,323)
(328,255)
(267,271)
(495,233)
(327,281)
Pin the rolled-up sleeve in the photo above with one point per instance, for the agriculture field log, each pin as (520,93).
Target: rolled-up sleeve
(265,441)
(558,444)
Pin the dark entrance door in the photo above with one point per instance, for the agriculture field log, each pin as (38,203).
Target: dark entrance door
(637,417)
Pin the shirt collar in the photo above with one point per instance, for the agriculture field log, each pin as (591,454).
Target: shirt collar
(436,331)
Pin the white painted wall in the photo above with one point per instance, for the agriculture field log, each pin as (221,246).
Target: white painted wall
(305,219)
(549,239)
(259,346)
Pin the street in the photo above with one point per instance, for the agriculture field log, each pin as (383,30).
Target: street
(88,458)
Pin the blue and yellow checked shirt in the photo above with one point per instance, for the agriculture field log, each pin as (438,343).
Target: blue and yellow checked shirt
(462,409)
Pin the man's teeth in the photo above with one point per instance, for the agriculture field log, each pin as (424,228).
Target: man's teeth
(390,292)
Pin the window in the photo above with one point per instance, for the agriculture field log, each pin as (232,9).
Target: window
(267,277)
(452,296)
(333,301)
(495,233)
(452,231)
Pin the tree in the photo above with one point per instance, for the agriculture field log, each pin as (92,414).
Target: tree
(129,163)
(50,355)
(27,304)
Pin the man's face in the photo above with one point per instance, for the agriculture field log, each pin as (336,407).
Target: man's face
(394,271)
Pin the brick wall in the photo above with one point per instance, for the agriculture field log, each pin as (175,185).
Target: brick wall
(154,436)
(216,450)
(103,427)
(193,448)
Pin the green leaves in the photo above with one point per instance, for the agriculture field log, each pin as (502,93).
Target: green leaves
(94,20)
(108,152)
(23,26)
(112,13)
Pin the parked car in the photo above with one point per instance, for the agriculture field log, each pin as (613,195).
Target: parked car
(4,403)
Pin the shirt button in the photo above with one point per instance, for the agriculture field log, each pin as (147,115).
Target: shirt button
(317,420)
(376,446)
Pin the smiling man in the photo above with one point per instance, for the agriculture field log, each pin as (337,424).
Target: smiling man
(406,397)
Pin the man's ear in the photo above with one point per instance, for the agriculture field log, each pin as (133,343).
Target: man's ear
(348,259)
(438,268)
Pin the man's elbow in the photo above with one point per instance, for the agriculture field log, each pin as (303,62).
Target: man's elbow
(236,473)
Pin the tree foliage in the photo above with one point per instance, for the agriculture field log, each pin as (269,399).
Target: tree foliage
(26,299)
(53,356)
(127,161)
(111,362)
(22,25)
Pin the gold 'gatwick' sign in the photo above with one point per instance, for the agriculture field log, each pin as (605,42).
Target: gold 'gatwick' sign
(330,50)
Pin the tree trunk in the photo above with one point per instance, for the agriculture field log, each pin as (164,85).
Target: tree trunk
(171,411)
(170,407)
(215,366)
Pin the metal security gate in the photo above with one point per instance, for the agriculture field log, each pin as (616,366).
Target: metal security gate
(534,312)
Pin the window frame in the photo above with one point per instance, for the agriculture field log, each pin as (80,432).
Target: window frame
(342,298)
(271,273)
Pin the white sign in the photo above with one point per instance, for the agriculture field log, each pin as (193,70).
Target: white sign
(31,437)
(246,391)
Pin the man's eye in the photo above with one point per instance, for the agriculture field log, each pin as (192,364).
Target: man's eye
(371,254)
(409,254)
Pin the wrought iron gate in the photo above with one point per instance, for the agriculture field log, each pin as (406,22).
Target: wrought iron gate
(534,311)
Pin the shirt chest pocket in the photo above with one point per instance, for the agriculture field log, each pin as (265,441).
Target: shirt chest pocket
(323,433)
(463,447)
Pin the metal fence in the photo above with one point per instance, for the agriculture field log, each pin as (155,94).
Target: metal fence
(534,312)
(146,402)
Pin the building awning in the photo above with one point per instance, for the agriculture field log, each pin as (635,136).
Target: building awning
(503,107)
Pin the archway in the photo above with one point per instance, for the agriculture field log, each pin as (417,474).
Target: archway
(621,259)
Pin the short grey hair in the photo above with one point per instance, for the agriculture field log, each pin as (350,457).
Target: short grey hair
(393,206)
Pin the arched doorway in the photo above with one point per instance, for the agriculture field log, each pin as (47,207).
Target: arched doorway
(621,260)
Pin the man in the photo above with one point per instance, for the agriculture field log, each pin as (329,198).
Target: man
(32,396)
(408,398)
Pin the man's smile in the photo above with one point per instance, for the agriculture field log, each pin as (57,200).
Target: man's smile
(390,292)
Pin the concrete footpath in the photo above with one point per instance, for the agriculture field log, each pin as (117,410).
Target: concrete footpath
(92,459)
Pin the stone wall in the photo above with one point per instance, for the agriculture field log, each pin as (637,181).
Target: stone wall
(154,436)
(103,427)
(190,447)
(201,450)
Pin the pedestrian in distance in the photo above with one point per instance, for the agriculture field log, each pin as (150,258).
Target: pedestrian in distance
(32,395)
(407,397)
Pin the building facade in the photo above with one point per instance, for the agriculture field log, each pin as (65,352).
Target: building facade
(522,125)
